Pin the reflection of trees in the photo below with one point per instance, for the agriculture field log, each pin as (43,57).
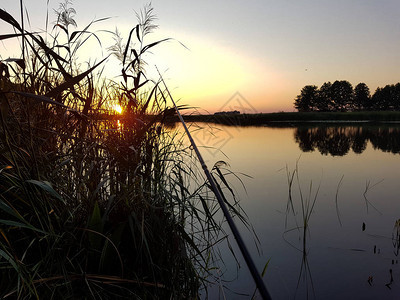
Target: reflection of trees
(337,141)
(334,141)
(305,138)
(386,139)
(359,141)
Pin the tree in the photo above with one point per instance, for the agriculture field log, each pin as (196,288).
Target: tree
(342,95)
(384,98)
(396,96)
(362,97)
(325,97)
(307,99)
(378,99)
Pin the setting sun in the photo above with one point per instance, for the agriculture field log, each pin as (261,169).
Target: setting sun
(118,108)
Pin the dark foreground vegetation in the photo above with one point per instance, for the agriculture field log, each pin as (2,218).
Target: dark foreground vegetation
(294,118)
(90,209)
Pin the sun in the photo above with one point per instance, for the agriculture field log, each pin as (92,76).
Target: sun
(118,108)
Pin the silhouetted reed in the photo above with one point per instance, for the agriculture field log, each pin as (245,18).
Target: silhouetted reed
(89,208)
(306,206)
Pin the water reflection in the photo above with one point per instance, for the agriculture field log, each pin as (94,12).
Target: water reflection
(341,257)
(338,140)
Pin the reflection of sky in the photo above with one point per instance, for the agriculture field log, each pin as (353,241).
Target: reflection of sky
(264,153)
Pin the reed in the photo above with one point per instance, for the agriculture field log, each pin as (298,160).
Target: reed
(91,209)
(306,205)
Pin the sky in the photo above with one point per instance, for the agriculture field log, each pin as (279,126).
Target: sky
(253,56)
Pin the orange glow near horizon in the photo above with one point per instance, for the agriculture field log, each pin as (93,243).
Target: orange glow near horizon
(207,76)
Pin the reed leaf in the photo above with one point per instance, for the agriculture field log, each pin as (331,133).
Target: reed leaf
(68,84)
(21,225)
(6,17)
(40,98)
(9,36)
(9,259)
(46,186)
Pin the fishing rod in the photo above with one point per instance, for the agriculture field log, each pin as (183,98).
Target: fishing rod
(253,270)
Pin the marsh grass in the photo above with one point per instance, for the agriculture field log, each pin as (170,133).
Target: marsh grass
(336,200)
(305,204)
(368,203)
(91,209)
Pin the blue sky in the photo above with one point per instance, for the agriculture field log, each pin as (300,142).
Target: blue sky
(266,50)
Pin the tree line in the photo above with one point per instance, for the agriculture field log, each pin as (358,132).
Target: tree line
(341,96)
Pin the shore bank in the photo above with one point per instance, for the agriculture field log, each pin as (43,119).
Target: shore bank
(297,117)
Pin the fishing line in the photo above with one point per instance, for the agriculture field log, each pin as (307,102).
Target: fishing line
(218,194)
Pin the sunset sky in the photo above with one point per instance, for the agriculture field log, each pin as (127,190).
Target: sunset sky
(265,50)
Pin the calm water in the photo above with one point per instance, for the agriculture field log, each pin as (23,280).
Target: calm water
(352,241)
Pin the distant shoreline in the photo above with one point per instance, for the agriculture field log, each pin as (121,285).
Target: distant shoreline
(297,117)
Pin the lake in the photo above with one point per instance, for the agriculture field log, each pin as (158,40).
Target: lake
(346,187)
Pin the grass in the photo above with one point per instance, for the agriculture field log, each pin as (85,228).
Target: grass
(306,206)
(90,209)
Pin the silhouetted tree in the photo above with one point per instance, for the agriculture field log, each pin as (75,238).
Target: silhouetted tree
(377,99)
(325,97)
(362,97)
(342,95)
(307,99)
(396,97)
(382,98)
